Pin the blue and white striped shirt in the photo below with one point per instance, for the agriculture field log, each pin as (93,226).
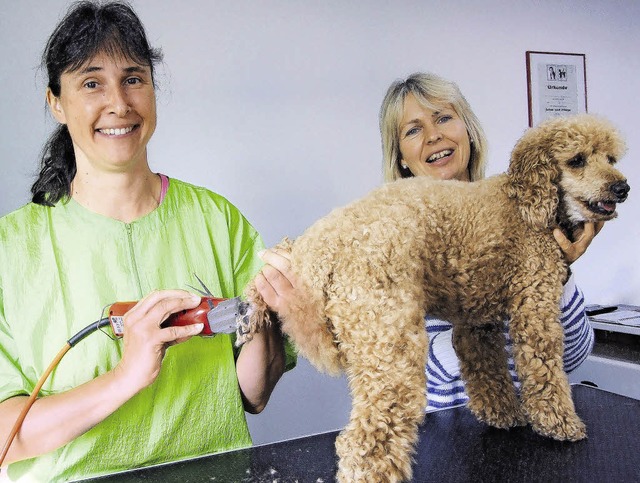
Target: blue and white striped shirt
(444,386)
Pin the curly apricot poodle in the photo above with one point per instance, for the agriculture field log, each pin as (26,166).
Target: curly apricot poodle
(475,254)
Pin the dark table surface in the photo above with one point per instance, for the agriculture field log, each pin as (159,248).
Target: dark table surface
(453,447)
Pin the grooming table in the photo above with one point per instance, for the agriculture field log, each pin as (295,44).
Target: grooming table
(453,447)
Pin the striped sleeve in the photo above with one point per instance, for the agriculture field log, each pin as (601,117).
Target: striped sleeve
(578,333)
(445,388)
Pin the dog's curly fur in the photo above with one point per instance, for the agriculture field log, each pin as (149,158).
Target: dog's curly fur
(475,254)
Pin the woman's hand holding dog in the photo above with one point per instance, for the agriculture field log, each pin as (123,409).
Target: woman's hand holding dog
(583,237)
(276,281)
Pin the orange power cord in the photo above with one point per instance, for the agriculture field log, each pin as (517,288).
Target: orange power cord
(34,394)
(31,400)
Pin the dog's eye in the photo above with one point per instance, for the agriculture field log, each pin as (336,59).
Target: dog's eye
(612,160)
(577,161)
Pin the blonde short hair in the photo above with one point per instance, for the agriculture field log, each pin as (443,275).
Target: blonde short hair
(432,92)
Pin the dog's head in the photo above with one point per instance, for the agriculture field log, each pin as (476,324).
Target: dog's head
(562,172)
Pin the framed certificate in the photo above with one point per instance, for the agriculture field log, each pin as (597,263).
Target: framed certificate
(556,85)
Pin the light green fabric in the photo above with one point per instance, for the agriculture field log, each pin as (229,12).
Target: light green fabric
(60,266)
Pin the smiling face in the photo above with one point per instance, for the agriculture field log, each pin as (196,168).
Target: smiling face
(109,107)
(434,143)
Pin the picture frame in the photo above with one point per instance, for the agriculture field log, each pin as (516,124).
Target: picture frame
(556,85)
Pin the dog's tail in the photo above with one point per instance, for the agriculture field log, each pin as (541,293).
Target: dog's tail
(303,321)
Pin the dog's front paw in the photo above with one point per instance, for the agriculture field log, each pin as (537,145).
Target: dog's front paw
(500,410)
(563,427)
(502,418)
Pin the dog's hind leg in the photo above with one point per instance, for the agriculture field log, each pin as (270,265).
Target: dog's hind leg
(538,348)
(483,367)
(258,315)
(385,359)
(303,321)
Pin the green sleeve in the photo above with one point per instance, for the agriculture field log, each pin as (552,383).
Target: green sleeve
(12,379)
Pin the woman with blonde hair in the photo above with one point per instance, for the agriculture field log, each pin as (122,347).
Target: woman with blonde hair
(429,129)
(431,92)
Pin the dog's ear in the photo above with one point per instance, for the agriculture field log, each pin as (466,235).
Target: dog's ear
(533,177)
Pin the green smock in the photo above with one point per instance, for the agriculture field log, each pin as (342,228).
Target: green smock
(60,266)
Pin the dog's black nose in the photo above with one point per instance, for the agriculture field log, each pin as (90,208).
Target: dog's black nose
(620,189)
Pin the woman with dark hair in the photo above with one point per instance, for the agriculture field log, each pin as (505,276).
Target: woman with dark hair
(87,31)
(102,228)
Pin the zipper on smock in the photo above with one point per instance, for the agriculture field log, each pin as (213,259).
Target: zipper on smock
(134,265)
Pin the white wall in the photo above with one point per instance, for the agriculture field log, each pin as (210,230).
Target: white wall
(274,104)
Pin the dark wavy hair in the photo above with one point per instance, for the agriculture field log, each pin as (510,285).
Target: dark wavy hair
(88,28)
